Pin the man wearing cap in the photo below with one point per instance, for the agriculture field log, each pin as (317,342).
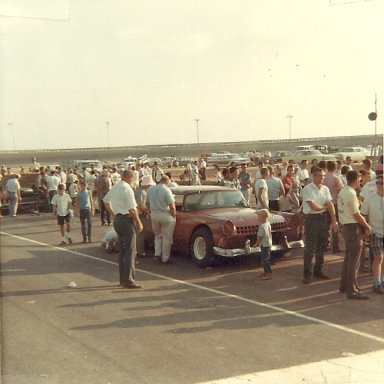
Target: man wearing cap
(161,205)
(120,203)
(140,197)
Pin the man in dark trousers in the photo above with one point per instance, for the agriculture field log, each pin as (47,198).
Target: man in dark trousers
(120,203)
(353,226)
(318,209)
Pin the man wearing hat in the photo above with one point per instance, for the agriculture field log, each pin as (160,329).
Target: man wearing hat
(161,204)
(140,197)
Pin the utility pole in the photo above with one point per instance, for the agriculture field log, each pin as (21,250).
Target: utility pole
(107,124)
(197,131)
(10,125)
(289,117)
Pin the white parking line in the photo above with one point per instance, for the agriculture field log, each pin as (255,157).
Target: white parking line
(220,293)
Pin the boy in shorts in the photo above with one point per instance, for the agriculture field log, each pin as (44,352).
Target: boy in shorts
(61,204)
(373,209)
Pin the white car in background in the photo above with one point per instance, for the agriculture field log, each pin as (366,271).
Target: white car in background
(356,153)
(87,165)
(310,154)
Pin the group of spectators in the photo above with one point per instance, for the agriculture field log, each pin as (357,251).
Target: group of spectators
(329,198)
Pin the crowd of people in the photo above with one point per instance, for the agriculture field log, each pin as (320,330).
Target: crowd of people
(331,199)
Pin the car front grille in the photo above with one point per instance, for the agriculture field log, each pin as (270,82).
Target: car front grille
(252,229)
(246,230)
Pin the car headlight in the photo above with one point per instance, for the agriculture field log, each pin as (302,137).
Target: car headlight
(228,227)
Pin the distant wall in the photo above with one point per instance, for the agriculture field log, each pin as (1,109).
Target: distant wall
(61,156)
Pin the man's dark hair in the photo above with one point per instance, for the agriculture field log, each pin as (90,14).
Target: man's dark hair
(315,169)
(322,164)
(331,165)
(344,169)
(352,176)
(127,173)
(264,171)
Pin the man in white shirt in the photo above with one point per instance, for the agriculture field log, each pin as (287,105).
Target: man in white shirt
(157,172)
(303,173)
(14,196)
(35,166)
(261,190)
(353,224)
(146,170)
(334,185)
(317,208)
(115,176)
(202,168)
(120,203)
(53,182)
(195,176)
(373,209)
(61,203)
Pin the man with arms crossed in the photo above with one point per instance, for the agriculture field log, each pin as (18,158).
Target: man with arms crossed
(120,203)
(353,226)
(317,208)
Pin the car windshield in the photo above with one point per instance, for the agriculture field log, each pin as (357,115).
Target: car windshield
(214,199)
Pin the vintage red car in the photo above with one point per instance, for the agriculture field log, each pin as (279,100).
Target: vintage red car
(214,221)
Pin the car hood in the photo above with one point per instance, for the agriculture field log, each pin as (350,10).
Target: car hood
(239,215)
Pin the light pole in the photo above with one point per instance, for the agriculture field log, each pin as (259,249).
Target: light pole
(13,134)
(289,117)
(197,130)
(107,124)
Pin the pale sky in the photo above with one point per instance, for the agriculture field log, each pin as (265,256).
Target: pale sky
(151,67)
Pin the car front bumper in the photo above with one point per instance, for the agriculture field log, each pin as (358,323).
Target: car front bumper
(233,252)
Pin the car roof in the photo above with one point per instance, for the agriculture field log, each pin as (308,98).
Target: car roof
(190,189)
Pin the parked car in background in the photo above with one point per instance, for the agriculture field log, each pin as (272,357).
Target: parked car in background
(277,156)
(183,161)
(213,221)
(227,159)
(311,154)
(303,147)
(151,161)
(356,153)
(86,164)
(128,162)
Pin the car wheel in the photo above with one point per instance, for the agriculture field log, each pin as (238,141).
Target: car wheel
(201,247)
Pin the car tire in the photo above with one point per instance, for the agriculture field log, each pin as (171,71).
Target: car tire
(201,247)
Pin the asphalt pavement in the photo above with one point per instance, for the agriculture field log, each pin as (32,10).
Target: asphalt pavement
(187,325)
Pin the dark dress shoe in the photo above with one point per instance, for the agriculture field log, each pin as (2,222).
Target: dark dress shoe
(307,280)
(321,275)
(344,290)
(357,296)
